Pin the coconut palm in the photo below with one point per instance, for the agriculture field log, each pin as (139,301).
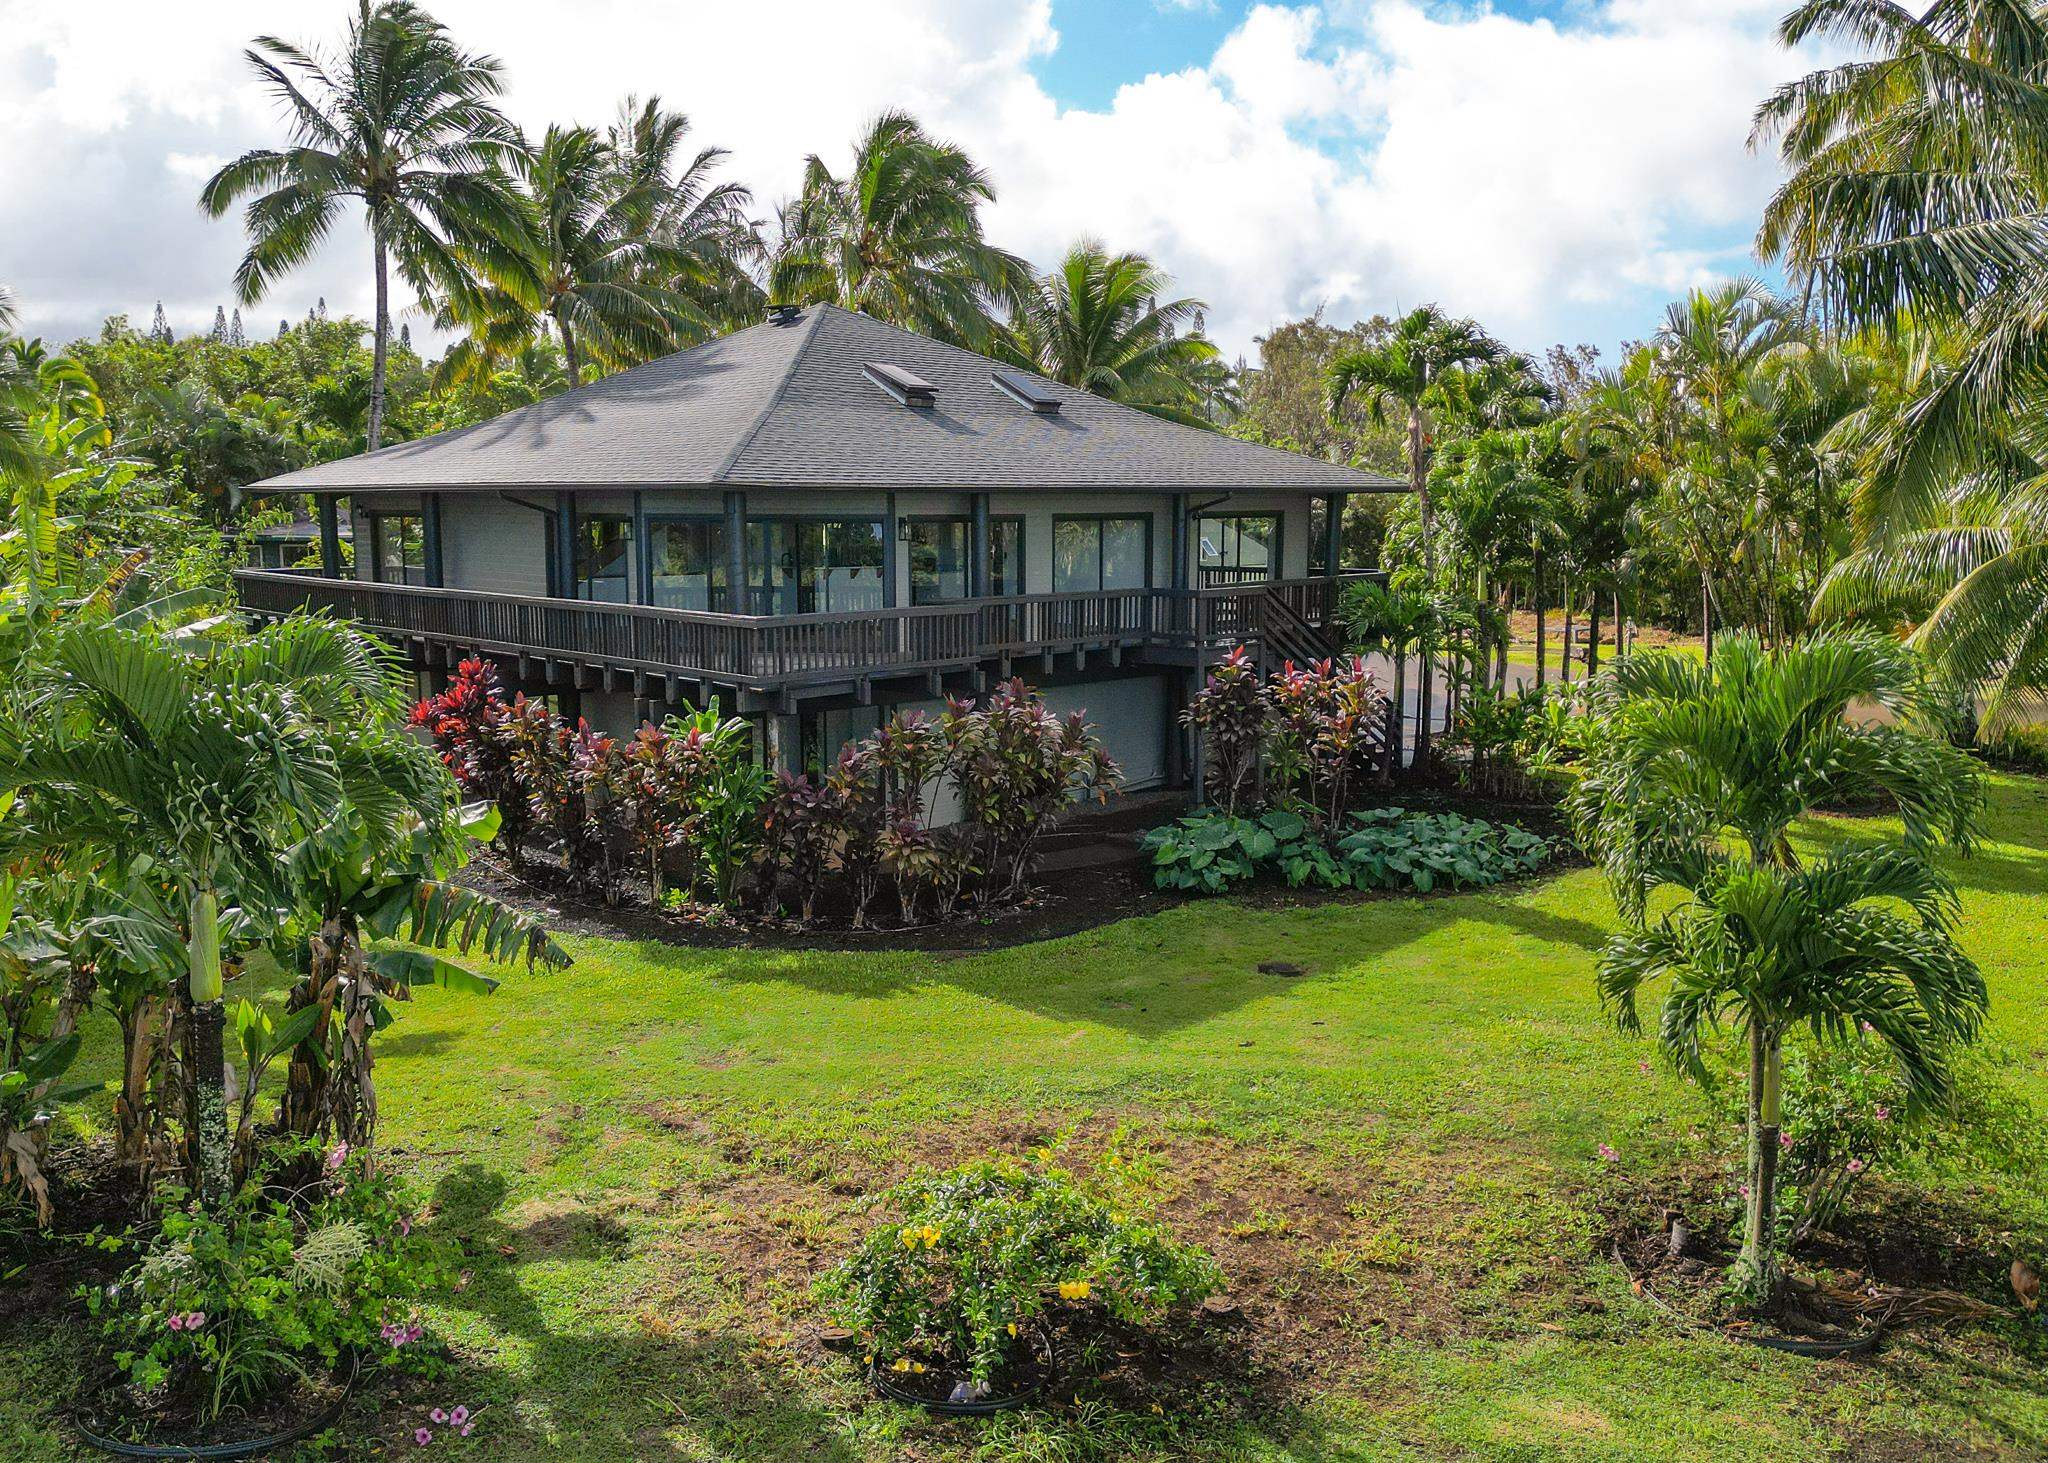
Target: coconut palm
(898,237)
(402,120)
(1695,782)
(702,223)
(1097,322)
(1403,374)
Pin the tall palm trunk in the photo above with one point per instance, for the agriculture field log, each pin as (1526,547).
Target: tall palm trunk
(1418,479)
(572,359)
(1536,593)
(1707,614)
(1565,668)
(1593,633)
(380,332)
(1396,717)
(211,1153)
(1757,1267)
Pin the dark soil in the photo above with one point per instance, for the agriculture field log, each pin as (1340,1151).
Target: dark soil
(1092,874)
(114,1411)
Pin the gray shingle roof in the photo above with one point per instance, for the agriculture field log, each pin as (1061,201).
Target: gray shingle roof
(789,405)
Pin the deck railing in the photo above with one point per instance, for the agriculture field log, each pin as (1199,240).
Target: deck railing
(762,650)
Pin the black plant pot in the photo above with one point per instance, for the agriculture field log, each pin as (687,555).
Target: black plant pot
(256,1447)
(1024,1387)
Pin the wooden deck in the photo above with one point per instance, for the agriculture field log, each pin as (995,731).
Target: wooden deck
(784,655)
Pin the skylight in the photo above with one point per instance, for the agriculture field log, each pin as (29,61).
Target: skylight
(1025,391)
(906,386)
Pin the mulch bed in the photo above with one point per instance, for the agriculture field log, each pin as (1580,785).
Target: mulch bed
(1093,874)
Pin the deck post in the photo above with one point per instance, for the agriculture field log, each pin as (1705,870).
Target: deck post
(1196,677)
(565,546)
(430,539)
(736,554)
(1179,578)
(978,560)
(1333,535)
(890,558)
(330,535)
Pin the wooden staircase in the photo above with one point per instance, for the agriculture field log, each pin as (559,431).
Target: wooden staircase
(1284,635)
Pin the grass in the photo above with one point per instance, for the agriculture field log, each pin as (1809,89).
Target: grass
(649,1156)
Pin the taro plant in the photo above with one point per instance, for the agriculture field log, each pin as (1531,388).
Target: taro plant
(1393,849)
(1210,852)
(1694,784)
(972,1259)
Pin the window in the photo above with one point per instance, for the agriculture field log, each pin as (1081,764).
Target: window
(601,559)
(686,564)
(398,554)
(1239,548)
(939,549)
(1101,553)
(1005,557)
(799,566)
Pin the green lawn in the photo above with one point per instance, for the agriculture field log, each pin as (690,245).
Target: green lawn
(650,1154)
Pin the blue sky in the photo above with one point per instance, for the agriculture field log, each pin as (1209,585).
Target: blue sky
(1558,168)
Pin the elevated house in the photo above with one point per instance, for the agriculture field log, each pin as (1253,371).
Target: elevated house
(821,518)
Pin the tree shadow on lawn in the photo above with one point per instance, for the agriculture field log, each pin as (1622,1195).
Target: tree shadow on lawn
(605,1392)
(1151,975)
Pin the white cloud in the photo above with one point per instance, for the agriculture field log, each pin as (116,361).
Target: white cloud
(1548,176)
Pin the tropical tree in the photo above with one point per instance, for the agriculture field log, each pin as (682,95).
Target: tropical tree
(622,258)
(1097,322)
(216,767)
(1914,200)
(898,237)
(1401,618)
(1694,782)
(1403,374)
(405,122)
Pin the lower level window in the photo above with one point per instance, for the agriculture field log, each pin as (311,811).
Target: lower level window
(398,554)
(1101,553)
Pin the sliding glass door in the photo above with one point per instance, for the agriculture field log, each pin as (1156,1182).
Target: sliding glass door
(1101,553)
(806,566)
(686,564)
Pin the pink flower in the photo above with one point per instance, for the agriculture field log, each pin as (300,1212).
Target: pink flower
(459,1416)
(467,1428)
(1608,1155)
(422,1435)
(176,1323)
(1744,1191)
(438,1415)
(1868,1029)
(1784,1140)
(1884,1114)
(336,1157)
(1643,1067)
(1855,1165)
(194,1320)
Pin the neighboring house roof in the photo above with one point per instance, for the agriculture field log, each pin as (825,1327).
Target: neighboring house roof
(297,530)
(790,404)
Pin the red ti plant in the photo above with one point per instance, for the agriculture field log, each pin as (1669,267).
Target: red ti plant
(468,724)
(801,827)
(909,753)
(647,782)
(1326,733)
(1229,715)
(561,768)
(856,786)
(1018,767)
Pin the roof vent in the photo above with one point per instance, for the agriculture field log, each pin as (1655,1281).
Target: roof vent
(785,314)
(906,386)
(1021,389)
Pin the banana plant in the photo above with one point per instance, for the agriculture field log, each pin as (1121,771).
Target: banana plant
(37,1044)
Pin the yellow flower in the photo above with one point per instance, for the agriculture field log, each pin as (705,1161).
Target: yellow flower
(902,1364)
(930,1235)
(1158,1409)
(1013,1328)
(1074,1290)
(917,1366)
(909,1238)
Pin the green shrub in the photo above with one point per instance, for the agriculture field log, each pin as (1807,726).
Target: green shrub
(1209,851)
(2021,747)
(237,1301)
(1393,849)
(1386,848)
(975,1254)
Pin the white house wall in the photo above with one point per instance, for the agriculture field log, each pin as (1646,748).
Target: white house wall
(493,545)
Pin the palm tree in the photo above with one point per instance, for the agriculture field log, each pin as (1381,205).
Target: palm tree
(403,120)
(899,237)
(1397,619)
(19,395)
(1914,203)
(1695,782)
(1403,373)
(222,769)
(623,258)
(1098,322)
